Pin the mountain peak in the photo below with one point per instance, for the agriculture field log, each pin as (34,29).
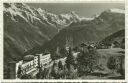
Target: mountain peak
(115,10)
(40,10)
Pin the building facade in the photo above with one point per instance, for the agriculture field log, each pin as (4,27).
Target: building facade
(29,67)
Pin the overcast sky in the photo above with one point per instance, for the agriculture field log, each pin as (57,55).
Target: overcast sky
(82,9)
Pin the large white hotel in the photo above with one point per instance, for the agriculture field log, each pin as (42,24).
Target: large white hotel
(30,67)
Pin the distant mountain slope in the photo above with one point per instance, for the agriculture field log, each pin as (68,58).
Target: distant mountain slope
(118,36)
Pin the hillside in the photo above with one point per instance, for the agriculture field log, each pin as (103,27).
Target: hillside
(118,36)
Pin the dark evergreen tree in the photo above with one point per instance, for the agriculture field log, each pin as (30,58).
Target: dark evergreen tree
(70,59)
(122,66)
(123,43)
(111,64)
(19,72)
(53,73)
(60,65)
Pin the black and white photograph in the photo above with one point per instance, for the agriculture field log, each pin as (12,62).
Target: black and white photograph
(64,41)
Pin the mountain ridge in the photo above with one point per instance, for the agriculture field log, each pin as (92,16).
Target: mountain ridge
(26,27)
(94,30)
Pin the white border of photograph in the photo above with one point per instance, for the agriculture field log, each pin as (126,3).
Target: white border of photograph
(63,1)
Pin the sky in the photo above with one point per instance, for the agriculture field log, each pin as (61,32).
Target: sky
(82,9)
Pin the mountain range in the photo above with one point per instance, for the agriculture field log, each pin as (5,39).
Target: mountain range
(25,27)
(28,30)
(95,30)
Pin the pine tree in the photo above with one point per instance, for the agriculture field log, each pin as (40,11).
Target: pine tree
(70,59)
(60,65)
(111,64)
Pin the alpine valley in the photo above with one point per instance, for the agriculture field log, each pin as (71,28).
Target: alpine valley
(29,30)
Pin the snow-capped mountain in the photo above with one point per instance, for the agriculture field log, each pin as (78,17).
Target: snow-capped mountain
(93,30)
(26,27)
(32,15)
(115,10)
